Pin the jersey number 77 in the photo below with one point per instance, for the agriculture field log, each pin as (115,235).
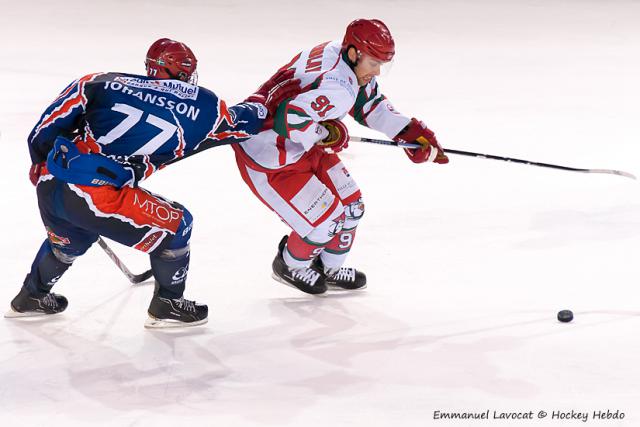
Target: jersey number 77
(133,117)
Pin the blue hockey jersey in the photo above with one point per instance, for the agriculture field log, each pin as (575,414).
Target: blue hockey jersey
(141,121)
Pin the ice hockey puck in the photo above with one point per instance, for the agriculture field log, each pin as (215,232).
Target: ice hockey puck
(565,315)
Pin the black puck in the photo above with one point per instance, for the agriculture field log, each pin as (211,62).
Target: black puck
(565,315)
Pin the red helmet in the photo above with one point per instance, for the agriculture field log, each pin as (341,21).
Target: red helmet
(169,59)
(370,36)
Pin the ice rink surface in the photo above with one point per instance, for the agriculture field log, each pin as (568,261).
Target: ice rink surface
(467,263)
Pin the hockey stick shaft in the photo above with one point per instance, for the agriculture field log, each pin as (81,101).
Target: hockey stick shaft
(133,278)
(494,157)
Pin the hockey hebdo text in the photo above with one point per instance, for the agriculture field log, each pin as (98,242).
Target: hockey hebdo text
(552,415)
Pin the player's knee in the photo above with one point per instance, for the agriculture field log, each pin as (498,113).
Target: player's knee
(180,240)
(67,254)
(64,257)
(170,254)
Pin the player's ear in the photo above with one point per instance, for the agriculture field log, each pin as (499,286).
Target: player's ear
(352,53)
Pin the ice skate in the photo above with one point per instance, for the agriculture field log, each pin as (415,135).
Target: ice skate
(342,278)
(305,279)
(175,313)
(26,304)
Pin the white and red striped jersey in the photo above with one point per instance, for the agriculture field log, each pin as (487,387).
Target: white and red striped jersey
(329,91)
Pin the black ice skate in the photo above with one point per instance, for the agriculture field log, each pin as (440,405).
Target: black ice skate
(305,279)
(27,304)
(342,278)
(175,313)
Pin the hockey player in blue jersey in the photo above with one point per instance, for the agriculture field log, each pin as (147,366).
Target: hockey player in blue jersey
(99,138)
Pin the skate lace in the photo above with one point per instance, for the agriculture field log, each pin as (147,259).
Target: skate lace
(186,304)
(307,275)
(344,274)
(50,300)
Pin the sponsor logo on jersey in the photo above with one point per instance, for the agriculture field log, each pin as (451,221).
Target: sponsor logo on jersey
(161,101)
(342,82)
(342,180)
(182,90)
(313,200)
(57,240)
(149,241)
(321,203)
(161,213)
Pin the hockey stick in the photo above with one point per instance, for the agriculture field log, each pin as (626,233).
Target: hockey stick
(133,278)
(493,157)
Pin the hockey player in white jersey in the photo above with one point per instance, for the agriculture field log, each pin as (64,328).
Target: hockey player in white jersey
(293,168)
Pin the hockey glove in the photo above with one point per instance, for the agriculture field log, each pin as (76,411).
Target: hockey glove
(338,137)
(418,132)
(67,163)
(34,172)
(279,87)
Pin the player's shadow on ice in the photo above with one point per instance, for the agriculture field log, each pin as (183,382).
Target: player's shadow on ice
(164,369)
(350,336)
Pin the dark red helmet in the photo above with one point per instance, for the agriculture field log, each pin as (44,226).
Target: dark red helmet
(370,36)
(169,59)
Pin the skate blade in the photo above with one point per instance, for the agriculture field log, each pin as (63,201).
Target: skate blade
(12,314)
(153,323)
(284,282)
(339,289)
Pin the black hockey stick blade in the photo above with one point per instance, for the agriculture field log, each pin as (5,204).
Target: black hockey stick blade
(494,157)
(133,278)
(142,277)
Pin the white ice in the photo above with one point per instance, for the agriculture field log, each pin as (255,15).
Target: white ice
(467,263)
